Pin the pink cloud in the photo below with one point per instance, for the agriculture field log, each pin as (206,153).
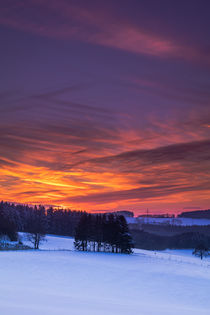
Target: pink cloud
(65,20)
(135,40)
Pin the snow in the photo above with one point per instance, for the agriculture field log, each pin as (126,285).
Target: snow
(165,221)
(57,280)
(52,242)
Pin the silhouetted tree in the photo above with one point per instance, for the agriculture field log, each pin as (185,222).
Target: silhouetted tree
(19,218)
(8,224)
(101,232)
(125,242)
(201,251)
(81,235)
(107,232)
(37,227)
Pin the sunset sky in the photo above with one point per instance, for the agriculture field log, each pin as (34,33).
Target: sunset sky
(105,105)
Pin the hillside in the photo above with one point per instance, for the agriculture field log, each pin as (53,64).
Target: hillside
(180,221)
(59,281)
(199,214)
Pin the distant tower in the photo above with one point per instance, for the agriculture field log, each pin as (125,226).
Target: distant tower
(147,215)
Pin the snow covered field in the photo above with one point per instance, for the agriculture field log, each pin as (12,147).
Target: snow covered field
(59,281)
(166,221)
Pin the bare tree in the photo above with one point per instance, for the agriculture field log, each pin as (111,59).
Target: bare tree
(35,239)
(37,227)
(201,251)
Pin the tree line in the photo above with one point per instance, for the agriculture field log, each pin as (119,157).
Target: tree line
(108,232)
(103,232)
(36,221)
(100,232)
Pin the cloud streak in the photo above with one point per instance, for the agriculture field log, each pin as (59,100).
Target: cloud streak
(87,163)
(102,26)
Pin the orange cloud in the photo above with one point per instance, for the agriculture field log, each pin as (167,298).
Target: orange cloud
(86,164)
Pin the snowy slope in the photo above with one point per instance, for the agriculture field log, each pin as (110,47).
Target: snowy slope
(52,242)
(59,281)
(163,221)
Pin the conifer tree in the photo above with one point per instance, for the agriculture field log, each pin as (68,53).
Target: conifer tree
(109,232)
(125,239)
(81,235)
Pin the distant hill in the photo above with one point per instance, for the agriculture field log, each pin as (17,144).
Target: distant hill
(198,214)
(125,213)
(151,241)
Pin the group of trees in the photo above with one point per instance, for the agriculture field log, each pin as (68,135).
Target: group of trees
(101,232)
(92,232)
(8,221)
(36,221)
